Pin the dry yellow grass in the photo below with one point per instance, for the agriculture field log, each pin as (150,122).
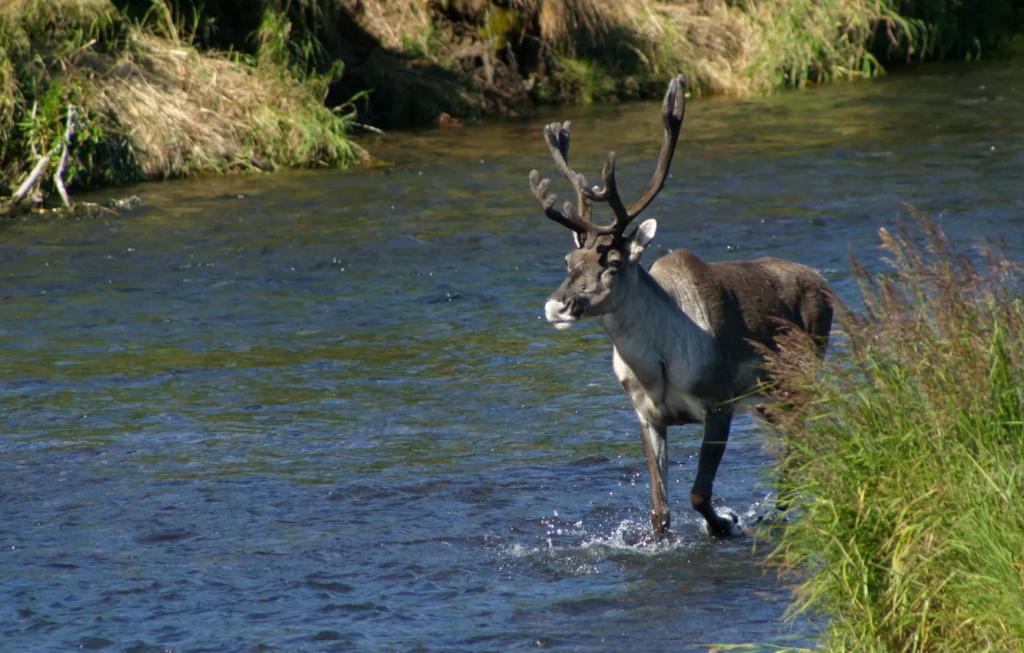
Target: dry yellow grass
(148,106)
(731,47)
(185,112)
(38,11)
(395,23)
(174,106)
(724,47)
(734,48)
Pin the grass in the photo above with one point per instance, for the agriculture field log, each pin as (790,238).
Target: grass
(149,104)
(590,79)
(39,42)
(187,112)
(724,47)
(508,54)
(905,458)
(734,47)
(165,88)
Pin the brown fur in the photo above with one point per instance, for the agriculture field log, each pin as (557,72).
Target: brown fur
(752,300)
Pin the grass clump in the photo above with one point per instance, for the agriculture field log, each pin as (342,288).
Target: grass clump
(905,457)
(146,104)
(806,41)
(43,43)
(187,112)
(728,47)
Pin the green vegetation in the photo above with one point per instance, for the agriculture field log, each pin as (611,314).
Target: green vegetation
(39,41)
(510,54)
(146,104)
(163,88)
(905,457)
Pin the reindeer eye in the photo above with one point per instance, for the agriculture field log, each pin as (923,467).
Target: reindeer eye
(614,263)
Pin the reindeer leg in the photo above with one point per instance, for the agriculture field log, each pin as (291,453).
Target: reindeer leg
(655,441)
(716,434)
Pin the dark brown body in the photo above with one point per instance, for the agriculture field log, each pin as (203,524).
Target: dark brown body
(751,301)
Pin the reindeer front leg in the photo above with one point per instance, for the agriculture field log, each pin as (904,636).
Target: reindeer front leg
(655,443)
(716,434)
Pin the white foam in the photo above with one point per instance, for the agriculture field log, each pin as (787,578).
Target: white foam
(577,548)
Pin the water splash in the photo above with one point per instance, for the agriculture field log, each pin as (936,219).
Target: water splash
(576,550)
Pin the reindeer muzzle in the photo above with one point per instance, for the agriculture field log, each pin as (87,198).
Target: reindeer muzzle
(562,314)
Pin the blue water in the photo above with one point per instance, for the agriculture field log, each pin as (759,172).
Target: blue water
(320,411)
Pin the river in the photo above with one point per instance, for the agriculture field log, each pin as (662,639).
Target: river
(320,410)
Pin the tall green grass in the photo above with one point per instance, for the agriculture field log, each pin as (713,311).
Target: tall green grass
(905,459)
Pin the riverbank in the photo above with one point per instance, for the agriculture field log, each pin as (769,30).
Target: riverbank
(93,98)
(99,94)
(904,456)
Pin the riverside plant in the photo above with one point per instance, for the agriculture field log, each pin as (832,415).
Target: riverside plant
(904,460)
(147,104)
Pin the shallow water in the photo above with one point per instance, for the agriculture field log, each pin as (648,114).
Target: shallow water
(320,410)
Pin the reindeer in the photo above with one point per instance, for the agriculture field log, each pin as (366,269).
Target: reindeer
(686,334)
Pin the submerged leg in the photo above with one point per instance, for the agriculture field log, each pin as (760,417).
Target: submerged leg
(716,434)
(655,442)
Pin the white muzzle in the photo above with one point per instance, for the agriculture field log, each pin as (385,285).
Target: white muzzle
(558,314)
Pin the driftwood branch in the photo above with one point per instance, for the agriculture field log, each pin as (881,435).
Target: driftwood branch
(31,181)
(58,174)
(35,176)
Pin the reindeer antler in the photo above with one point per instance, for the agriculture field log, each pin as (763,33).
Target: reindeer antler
(672,109)
(557,137)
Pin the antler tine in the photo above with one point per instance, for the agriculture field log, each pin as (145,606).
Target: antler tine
(547,202)
(557,136)
(672,110)
(610,194)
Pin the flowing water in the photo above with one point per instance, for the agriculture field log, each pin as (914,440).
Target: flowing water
(319,411)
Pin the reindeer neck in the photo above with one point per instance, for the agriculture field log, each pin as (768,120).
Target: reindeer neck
(647,327)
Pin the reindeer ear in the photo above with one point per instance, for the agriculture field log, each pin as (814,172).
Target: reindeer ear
(643,235)
(578,238)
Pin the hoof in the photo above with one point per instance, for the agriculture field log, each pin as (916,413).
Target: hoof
(727,524)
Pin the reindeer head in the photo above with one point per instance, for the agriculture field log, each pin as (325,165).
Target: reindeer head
(603,263)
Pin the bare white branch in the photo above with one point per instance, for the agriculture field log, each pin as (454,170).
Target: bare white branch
(58,174)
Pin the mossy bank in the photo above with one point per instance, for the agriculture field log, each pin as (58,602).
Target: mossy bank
(97,92)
